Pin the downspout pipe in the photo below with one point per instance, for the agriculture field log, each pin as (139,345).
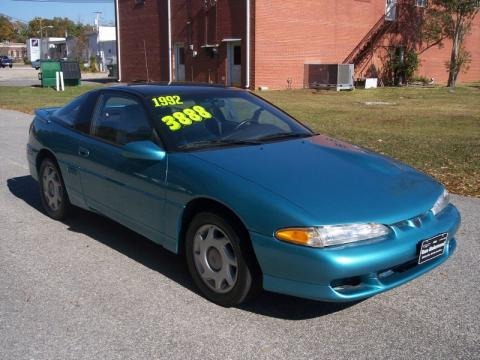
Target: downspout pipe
(117,23)
(247,65)
(169,10)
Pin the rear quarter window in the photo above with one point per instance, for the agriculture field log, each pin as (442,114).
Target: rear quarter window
(77,113)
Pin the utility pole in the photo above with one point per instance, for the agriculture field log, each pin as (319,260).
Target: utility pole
(66,43)
(97,20)
(97,52)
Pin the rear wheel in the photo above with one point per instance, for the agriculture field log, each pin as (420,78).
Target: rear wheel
(52,190)
(216,261)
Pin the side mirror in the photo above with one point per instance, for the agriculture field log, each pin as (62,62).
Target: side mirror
(143,150)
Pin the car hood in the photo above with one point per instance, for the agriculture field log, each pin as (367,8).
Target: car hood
(333,181)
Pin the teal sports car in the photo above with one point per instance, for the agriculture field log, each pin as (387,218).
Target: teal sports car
(251,197)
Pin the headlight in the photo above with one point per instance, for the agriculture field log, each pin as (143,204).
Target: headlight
(441,203)
(330,235)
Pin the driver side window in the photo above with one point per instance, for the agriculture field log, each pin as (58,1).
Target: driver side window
(120,119)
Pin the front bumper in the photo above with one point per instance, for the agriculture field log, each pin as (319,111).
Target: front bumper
(356,271)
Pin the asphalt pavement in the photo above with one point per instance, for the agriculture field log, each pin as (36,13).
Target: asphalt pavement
(25,75)
(88,288)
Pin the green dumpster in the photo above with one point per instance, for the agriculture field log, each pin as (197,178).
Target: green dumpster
(71,73)
(49,68)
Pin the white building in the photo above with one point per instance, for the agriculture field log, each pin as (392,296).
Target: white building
(46,48)
(102,45)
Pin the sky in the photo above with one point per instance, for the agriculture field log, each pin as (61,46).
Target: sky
(75,10)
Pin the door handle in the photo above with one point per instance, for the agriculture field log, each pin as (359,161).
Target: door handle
(83,152)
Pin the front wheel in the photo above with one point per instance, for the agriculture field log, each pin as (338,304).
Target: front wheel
(52,190)
(216,261)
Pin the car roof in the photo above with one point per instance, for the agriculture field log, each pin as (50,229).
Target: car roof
(165,88)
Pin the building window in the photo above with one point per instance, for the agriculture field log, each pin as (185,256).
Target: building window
(421,3)
(237,55)
(181,56)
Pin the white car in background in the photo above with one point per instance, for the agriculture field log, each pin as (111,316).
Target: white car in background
(36,64)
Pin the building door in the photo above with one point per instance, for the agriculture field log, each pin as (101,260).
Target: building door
(234,61)
(179,53)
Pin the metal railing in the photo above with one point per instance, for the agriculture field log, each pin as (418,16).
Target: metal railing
(371,35)
(378,29)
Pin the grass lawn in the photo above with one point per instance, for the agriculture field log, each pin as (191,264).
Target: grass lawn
(432,129)
(27,99)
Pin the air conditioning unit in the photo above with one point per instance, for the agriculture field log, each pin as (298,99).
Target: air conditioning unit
(329,76)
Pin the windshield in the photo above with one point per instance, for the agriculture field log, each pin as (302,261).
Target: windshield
(195,120)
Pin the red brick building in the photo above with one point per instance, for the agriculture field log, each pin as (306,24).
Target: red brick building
(253,43)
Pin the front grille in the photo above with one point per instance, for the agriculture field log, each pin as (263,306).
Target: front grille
(398,269)
(342,284)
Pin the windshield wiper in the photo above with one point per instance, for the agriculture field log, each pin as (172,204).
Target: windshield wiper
(278,136)
(229,142)
(217,143)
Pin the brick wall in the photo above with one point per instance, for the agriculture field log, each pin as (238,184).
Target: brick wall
(285,35)
(139,25)
(291,33)
(193,24)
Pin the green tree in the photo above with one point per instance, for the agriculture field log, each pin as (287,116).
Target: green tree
(400,66)
(7,31)
(56,27)
(20,31)
(451,19)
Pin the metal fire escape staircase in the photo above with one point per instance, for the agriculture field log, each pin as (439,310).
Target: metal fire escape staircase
(359,54)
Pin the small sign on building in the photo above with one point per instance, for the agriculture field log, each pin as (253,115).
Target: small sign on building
(33,49)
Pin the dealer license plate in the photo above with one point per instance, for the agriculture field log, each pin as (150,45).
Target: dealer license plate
(432,248)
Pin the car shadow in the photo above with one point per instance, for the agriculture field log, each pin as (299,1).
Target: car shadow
(155,257)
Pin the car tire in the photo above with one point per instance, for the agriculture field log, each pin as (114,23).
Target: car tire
(36,68)
(218,260)
(52,190)
(10,66)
